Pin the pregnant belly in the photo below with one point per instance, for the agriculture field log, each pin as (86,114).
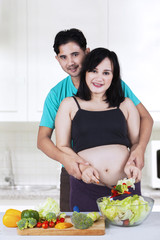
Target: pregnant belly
(109,160)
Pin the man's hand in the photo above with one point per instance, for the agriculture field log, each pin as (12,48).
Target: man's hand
(90,175)
(71,164)
(136,157)
(133,172)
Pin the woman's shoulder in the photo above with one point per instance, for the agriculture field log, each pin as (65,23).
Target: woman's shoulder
(127,103)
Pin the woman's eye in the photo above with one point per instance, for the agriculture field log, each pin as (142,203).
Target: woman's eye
(106,73)
(94,71)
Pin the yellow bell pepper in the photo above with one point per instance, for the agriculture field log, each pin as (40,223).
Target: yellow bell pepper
(11,217)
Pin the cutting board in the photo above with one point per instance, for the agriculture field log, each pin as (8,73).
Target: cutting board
(98,228)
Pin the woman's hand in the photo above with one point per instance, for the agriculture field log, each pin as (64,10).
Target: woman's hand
(133,172)
(90,175)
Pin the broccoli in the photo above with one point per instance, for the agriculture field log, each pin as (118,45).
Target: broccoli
(81,220)
(22,224)
(32,222)
(51,216)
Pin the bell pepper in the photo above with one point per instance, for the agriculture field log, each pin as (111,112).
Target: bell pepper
(11,217)
(29,213)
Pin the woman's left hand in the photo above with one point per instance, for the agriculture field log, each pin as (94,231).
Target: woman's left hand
(90,175)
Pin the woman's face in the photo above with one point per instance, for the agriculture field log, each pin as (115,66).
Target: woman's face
(99,80)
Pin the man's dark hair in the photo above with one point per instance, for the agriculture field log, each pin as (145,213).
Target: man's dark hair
(114,94)
(70,35)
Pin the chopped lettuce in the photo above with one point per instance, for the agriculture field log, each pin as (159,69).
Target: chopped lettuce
(49,205)
(133,208)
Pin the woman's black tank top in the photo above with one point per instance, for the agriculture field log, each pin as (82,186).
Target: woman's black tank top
(96,128)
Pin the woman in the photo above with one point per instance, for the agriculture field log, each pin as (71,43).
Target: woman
(103,126)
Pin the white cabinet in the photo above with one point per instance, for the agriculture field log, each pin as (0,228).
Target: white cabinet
(29,68)
(135,36)
(13,46)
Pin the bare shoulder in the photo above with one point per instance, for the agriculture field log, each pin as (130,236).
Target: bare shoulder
(67,103)
(127,103)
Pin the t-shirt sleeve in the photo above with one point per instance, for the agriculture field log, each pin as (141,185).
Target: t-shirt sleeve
(50,109)
(128,93)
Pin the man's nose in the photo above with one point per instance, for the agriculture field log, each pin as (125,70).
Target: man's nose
(70,61)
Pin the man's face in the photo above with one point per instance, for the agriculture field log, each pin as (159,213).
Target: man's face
(70,58)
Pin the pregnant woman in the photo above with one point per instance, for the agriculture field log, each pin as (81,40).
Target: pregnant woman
(103,126)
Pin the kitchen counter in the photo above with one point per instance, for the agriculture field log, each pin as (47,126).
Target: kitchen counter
(148,230)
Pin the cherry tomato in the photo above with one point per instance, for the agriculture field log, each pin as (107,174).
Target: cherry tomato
(126,222)
(39,224)
(44,225)
(58,221)
(62,219)
(51,224)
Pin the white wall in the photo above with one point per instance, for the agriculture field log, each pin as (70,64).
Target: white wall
(30,165)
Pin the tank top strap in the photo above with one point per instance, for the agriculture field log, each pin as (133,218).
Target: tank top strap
(76,102)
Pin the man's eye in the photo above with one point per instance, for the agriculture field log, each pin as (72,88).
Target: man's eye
(75,54)
(62,57)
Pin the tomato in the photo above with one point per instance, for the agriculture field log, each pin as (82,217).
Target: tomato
(51,224)
(126,222)
(58,221)
(62,219)
(39,224)
(44,224)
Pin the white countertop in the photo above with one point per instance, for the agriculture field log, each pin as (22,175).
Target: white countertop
(148,230)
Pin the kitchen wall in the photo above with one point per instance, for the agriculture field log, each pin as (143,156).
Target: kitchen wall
(30,165)
(27,29)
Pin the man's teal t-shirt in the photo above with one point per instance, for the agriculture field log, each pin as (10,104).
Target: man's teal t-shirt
(64,89)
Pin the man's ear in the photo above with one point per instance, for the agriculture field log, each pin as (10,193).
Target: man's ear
(56,57)
(87,50)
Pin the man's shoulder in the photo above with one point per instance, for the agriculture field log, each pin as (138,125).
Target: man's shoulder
(62,84)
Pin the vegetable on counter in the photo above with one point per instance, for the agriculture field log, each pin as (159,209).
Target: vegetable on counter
(49,205)
(11,217)
(51,216)
(81,220)
(22,224)
(63,225)
(29,213)
(26,223)
(94,215)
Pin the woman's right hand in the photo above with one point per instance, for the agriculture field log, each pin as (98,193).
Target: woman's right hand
(90,175)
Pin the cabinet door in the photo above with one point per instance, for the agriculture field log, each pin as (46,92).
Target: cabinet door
(134,34)
(13,60)
(45,20)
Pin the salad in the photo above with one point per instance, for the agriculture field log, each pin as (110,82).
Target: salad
(123,186)
(129,211)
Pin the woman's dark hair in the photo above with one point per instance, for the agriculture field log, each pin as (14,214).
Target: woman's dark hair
(114,94)
(70,35)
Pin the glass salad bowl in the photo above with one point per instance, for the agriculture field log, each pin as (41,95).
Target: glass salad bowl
(125,211)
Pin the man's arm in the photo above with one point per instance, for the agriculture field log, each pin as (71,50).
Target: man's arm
(46,145)
(146,123)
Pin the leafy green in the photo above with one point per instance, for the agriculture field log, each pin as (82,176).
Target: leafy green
(134,208)
(49,205)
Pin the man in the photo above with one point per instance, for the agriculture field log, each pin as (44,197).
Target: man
(70,47)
